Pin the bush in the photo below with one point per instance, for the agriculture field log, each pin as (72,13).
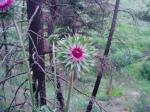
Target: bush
(117,92)
(145,70)
(123,58)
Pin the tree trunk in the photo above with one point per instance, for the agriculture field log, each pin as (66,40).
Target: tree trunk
(36,54)
(53,8)
(59,96)
(102,65)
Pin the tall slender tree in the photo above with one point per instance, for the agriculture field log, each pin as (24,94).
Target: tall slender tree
(36,54)
(105,55)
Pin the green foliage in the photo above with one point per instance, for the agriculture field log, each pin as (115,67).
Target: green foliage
(3,106)
(141,104)
(116,92)
(143,86)
(145,70)
(6,16)
(123,58)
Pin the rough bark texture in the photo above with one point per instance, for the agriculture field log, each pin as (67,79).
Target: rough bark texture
(60,98)
(53,8)
(36,55)
(102,65)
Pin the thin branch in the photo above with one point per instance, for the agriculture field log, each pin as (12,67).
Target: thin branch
(16,94)
(13,76)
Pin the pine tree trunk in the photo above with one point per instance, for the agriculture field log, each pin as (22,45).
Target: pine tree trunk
(36,54)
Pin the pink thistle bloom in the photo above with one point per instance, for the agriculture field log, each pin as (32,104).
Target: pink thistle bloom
(5,4)
(77,54)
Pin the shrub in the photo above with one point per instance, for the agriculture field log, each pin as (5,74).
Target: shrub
(145,70)
(117,92)
(123,58)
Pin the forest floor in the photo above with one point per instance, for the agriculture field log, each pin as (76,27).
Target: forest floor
(123,103)
(119,104)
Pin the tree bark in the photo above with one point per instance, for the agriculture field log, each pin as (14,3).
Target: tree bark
(36,54)
(59,96)
(53,8)
(102,65)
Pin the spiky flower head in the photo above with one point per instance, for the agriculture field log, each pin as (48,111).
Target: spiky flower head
(6,9)
(5,4)
(76,54)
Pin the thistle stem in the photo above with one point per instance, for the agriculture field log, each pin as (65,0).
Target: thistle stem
(27,63)
(54,65)
(69,92)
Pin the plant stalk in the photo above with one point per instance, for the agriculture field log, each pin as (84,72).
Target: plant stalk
(27,63)
(69,92)
(54,66)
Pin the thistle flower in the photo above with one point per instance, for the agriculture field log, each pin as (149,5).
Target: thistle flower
(5,4)
(7,9)
(76,54)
